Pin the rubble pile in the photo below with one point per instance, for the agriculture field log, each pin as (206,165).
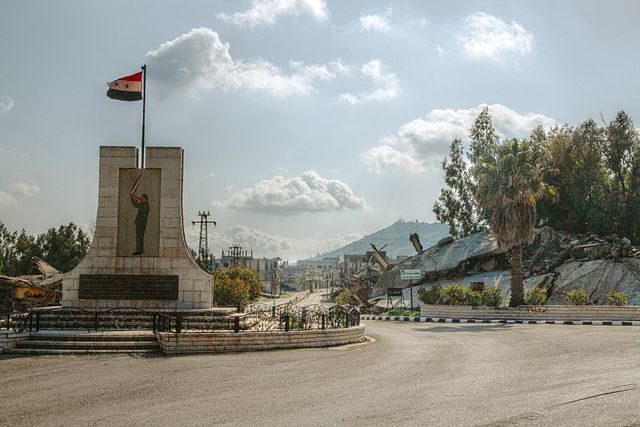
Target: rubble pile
(42,287)
(556,260)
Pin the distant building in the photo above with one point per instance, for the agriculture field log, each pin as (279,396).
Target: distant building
(269,269)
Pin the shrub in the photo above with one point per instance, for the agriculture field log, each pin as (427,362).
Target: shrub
(431,296)
(235,285)
(536,296)
(344,297)
(472,298)
(492,297)
(455,294)
(577,297)
(617,298)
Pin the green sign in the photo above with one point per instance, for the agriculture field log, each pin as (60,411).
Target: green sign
(410,275)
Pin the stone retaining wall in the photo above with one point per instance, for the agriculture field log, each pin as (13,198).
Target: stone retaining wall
(8,339)
(221,342)
(543,312)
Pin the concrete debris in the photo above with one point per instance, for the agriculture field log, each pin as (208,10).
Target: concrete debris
(445,241)
(415,241)
(556,260)
(42,288)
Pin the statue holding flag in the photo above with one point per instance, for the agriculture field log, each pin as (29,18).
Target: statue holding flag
(142,204)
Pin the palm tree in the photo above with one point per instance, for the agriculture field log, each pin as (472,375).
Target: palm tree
(509,178)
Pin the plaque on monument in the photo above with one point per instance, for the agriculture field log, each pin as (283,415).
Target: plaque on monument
(128,287)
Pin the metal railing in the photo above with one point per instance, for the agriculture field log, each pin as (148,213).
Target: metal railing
(294,317)
(258,317)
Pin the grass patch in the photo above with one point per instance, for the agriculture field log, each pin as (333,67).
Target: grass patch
(402,312)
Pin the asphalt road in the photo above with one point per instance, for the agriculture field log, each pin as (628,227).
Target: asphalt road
(412,374)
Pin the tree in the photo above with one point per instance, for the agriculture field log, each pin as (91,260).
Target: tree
(65,247)
(482,136)
(236,285)
(456,206)
(510,182)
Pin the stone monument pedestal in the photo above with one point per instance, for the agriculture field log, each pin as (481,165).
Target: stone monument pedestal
(139,257)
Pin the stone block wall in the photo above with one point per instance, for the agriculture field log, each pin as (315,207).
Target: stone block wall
(195,285)
(8,339)
(543,312)
(222,342)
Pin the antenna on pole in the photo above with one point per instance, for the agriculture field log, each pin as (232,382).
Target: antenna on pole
(203,242)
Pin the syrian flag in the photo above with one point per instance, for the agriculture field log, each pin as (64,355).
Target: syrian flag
(127,88)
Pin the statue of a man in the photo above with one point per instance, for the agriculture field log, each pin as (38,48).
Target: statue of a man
(142,204)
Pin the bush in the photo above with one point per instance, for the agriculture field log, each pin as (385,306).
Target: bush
(455,294)
(617,298)
(472,298)
(577,297)
(492,297)
(344,297)
(536,296)
(431,296)
(236,285)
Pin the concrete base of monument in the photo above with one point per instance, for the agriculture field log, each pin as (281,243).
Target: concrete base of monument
(138,257)
(226,342)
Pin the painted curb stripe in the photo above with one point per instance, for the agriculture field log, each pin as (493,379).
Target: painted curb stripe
(505,321)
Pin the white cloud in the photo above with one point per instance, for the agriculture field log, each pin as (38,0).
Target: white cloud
(17,191)
(267,12)
(307,192)
(6,104)
(271,245)
(199,59)
(379,23)
(386,82)
(422,143)
(24,189)
(7,199)
(384,156)
(486,36)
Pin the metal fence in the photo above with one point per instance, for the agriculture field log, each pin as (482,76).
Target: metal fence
(258,317)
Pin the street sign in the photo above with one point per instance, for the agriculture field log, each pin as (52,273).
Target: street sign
(410,274)
(394,292)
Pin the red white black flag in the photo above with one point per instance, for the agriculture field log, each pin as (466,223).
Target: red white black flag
(127,88)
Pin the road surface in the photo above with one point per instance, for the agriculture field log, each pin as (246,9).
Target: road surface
(412,374)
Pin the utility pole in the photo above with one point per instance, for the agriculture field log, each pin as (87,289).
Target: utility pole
(203,242)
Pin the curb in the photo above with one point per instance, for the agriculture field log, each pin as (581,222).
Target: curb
(506,321)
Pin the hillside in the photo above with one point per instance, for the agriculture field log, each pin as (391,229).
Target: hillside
(396,236)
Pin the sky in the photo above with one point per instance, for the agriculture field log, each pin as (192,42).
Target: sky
(305,123)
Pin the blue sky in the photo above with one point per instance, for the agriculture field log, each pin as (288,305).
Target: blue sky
(305,123)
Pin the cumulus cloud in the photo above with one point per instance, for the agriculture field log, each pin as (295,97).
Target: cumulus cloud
(378,23)
(387,85)
(271,245)
(308,192)
(486,36)
(422,143)
(24,189)
(6,104)
(267,12)
(384,156)
(16,192)
(7,199)
(199,59)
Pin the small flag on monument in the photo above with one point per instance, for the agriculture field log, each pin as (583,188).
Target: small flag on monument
(127,88)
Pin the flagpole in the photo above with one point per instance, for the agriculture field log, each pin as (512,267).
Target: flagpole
(144,109)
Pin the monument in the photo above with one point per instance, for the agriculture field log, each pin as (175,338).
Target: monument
(139,257)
